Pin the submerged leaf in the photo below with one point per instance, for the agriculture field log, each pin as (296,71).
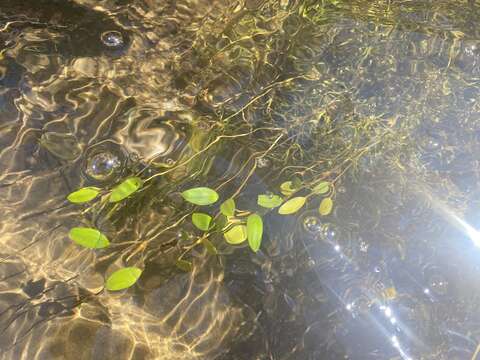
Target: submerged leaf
(184,265)
(296,182)
(88,237)
(236,235)
(254,231)
(125,189)
(321,188)
(212,250)
(292,205)
(326,206)
(269,201)
(201,221)
(200,196)
(123,278)
(228,207)
(221,222)
(83,195)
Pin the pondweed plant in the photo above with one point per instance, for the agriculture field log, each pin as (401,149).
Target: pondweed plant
(304,119)
(304,111)
(236,226)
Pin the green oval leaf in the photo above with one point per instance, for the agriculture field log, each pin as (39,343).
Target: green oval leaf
(321,188)
(201,221)
(88,237)
(83,195)
(236,235)
(123,278)
(200,196)
(269,201)
(212,250)
(326,206)
(254,231)
(184,265)
(292,205)
(228,207)
(125,189)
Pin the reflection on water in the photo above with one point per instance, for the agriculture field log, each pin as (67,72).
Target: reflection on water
(379,97)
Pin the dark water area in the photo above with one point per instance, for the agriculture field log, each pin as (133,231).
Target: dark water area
(380,99)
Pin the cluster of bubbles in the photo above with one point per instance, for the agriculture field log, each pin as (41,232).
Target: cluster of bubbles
(112,39)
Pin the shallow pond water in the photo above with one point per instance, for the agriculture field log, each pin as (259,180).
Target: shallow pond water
(380,99)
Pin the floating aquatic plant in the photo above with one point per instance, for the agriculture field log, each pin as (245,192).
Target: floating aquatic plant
(123,278)
(83,195)
(89,238)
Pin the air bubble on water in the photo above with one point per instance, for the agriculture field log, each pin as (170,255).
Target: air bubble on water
(358,306)
(112,39)
(438,284)
(102,166)
(263,162)
(430,143)
(363,246)
(329,232)
(270,194)
(312,224)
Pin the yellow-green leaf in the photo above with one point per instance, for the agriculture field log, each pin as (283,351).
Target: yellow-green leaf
(200,196)
(292,205)
(326,206)
(287,188)
(212,250)
(184,265)
(321,188)
(269,201)
(254,231)
(201,221)
(125,189)
(228,207)
(83,195)
(123,278)
(88,237)
(236,235)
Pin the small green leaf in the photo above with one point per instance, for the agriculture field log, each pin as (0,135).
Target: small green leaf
(321,188)
(201,221)
(287,188)
(292,205)
(254,231)
(269,201)
(228,207)
(125,189)
(123,278)
(88,237)
(200,196)
(83,195)
(326,206)
(212,250)
(184,265)
(236,235)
